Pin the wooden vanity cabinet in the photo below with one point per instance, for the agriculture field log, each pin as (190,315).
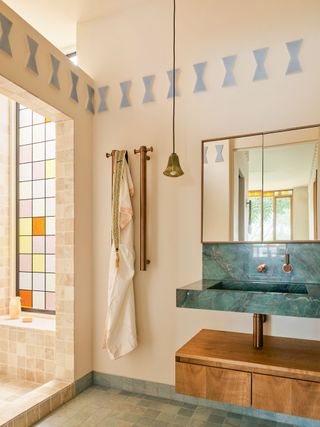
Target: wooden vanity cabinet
(283,376)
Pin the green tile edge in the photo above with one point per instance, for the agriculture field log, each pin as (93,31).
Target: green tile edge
(83,383)
(167,391)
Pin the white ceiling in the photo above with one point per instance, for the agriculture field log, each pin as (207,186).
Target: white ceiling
(285,167)
(57,19)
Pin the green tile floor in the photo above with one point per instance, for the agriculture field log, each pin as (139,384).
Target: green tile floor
(111,407)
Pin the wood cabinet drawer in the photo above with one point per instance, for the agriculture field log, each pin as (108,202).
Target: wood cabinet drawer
(290,396)
(191,379)
(224,385)
(228,386)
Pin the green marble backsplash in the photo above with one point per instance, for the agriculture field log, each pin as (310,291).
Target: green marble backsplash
(223,261)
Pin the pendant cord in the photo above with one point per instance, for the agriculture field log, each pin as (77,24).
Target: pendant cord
(174,79)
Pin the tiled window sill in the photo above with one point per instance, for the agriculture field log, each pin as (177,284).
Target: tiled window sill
(42,323)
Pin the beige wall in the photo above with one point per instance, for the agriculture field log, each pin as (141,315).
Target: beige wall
(137,43)
(13,69)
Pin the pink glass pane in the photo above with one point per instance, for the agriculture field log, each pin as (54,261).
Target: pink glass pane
(25,154)
(38,170)
(50,301)
(25,263)
(50,244)
(25,208)
(38,244)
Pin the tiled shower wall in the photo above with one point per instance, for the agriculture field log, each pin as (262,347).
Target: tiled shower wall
(27,354)
(4,205)
(239,261)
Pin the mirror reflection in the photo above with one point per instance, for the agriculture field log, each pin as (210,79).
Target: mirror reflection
(261,187)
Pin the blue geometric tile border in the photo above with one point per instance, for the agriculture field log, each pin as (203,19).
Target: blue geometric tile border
(90,103)
(229,63)
(148,87)
(74,91)
(6,25)
(32,62)
(294,65)
(199,70)
(173,88)
(260,57)
(125,88)
(55,64)
(103,92)
(219,156)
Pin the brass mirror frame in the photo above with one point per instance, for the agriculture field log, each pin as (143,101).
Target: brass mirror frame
(246,135)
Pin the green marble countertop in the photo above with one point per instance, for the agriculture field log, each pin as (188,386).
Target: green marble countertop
(280,298)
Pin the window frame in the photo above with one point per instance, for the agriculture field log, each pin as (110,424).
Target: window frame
(17,222)
(262,195)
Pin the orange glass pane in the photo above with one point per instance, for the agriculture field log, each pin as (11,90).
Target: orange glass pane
(26,298)
(38,226)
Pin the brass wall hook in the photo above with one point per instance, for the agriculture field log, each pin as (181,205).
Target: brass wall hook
(144,149)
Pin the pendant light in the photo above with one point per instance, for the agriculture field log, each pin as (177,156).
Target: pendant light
(173,168)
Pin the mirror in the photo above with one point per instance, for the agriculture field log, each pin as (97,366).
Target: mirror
(261,187)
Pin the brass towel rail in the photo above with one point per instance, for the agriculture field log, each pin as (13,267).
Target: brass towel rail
(143,150)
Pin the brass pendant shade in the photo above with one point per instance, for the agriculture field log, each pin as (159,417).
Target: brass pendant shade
(173,168)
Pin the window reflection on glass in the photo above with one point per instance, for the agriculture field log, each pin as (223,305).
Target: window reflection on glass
(277,215)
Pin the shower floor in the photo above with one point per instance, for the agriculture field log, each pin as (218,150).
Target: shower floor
(13,388)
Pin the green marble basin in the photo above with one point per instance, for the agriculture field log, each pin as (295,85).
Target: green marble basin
(282,288)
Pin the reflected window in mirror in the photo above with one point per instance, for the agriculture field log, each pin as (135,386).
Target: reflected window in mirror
(261,187)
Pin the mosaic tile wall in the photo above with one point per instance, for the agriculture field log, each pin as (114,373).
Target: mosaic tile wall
(65,291)
(4,206)
(36,209)
(27,354)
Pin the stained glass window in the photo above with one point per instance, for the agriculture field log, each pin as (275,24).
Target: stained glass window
(36,202)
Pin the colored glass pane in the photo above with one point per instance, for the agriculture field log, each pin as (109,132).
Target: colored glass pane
(50,169)
(25,227)
(36,206)
(50,300)
(25,208)
(38,263)
(26,298)
(39,300)
(38,226)
(25,244)
(25,280)
(25,262)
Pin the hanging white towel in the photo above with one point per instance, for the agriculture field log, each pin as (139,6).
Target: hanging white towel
(120,333)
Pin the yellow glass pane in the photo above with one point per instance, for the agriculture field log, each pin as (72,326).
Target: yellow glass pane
(25,226)
(38,263)
(50,169)
(268,194)
(47,120)
(25,244)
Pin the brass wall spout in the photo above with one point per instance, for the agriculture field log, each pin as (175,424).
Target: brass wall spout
(287,267)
